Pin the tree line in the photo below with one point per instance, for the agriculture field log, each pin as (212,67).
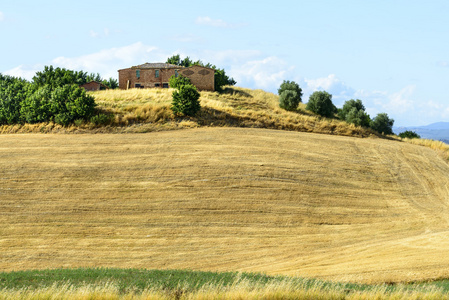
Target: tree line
(320,102)
(52,95)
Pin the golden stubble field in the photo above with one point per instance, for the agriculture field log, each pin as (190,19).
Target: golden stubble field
(225,199)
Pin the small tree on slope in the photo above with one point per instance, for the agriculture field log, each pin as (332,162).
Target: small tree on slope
(186,101)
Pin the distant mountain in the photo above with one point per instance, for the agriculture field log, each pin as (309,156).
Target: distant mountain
(435,131)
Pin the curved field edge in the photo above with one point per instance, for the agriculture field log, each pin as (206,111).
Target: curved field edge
(102,283)
(147,110)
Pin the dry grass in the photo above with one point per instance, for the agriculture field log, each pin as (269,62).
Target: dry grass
(145,110)
(367,210)
(238,290)
(440,147)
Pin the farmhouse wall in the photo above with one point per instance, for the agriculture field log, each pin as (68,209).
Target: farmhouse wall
(147,78)
(201,77)
(144,76)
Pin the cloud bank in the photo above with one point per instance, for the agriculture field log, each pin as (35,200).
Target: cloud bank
(106,62)
(252,69)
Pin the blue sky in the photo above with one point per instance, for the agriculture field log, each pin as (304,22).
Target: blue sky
(393,55)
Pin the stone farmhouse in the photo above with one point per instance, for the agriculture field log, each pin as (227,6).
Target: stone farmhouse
(157,75)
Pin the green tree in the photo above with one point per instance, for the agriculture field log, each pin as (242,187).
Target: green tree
(409,135)
(174,60)
(382,124)
(221,79)
(12,92)
(186,100)
(320,102)
(62,105)
(94,77)
(177,82)
(353,111)
(290,85)
(37,106)
(288,100)
(291,100)
(186,62)
(111,83)
(358,117)
(55,77)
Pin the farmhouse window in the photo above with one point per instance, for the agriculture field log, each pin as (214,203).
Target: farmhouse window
(156,73)
(138,73)
(138,85)
(165,85)
(176,73)
(157,85)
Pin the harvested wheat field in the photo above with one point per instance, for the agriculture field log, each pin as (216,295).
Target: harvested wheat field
(278,202)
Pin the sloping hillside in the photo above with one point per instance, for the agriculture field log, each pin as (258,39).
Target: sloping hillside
(225,199)
(147,110)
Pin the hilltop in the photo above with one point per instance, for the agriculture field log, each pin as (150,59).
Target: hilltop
(146,110)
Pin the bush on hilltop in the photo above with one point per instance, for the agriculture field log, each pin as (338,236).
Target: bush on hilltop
(320,102)
(289,95)
(353,112)
(409,135)
(382,124)
(186,100)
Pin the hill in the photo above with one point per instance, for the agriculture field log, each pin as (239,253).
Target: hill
(225,199)
(435,131)
(147,110)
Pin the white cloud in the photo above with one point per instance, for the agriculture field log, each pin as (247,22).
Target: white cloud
(207,21)
(266,73)
(333,85)
(2,16)
(24,71)
(94,34)
(106,62)
(400,102)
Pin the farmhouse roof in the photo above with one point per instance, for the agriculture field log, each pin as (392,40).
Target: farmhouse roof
(156,66)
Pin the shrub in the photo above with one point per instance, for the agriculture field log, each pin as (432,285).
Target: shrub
(62,105)
(79,105)
(12,92)
(289,100)
(57,77)
(409,135)
(36,107)
(290,86)
(358,117)
(177,82)
(186,100)
(320,102)
(102,119)
(353,108)
(353,112)
(382,124)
